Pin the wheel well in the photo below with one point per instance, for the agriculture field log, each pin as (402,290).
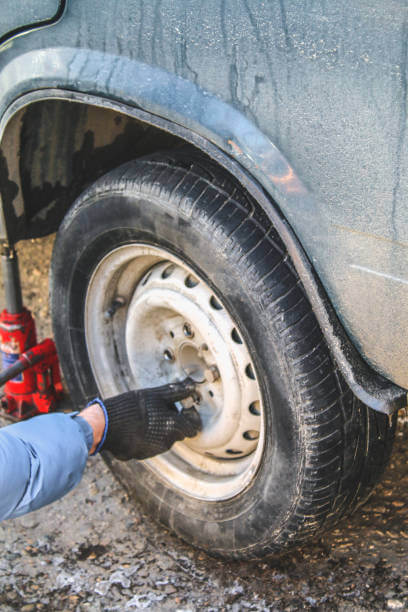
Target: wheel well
(53,149)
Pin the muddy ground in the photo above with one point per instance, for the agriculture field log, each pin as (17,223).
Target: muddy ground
(97,550)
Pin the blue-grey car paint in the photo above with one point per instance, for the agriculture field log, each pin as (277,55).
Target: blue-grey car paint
(19,14)
(322,85)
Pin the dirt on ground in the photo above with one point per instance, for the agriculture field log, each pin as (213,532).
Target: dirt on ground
(95,550)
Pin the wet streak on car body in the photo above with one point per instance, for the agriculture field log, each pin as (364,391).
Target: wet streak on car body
(279,83)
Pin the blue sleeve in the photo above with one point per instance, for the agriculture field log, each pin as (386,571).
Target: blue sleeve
(41,460)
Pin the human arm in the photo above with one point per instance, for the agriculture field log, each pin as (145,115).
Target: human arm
(44,458)
(41,460)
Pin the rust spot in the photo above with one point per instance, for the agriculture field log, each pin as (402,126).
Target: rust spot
(235,147)
(289,181)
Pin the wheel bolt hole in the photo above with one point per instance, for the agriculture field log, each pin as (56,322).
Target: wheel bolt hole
(235,336)
(172,334)
(215,303)
(254,408)
(231,451)
(146,278)
(168,271)
(188,330)
(250,372)
(168,355)
(251,434)
(117,303)
(211,393)
(190,281)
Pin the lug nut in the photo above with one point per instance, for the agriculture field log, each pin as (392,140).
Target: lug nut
(211,374)
(188,402)
(188,331)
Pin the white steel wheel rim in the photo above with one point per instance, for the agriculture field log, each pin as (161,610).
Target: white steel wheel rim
(150,320)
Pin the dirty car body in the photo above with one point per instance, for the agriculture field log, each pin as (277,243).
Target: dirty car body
(304,104)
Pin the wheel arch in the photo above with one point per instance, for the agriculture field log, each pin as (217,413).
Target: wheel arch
(260,168)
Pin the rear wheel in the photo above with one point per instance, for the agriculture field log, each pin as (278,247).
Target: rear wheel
(166,267)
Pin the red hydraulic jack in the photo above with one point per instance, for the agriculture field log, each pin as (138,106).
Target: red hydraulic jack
(31,373)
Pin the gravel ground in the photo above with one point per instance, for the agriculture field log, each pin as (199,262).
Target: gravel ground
(96,549)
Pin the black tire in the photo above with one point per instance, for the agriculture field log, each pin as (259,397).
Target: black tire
(324,449)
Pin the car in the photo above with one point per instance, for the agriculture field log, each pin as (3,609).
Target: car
(228,184)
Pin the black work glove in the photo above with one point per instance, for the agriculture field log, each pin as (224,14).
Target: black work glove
(146,422)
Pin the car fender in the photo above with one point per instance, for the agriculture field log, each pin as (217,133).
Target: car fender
(222,131)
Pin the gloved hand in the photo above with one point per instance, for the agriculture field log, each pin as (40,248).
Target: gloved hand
(146,422)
